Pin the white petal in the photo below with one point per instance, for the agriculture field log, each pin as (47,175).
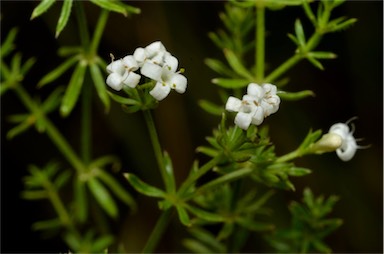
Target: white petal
(152,71)
(140,55)
(269,88)
(130,63)
(154,48)
(171,62)
(348,149)
(255,90)
(258,116)
(116,66)
(132,79)
(243,120)
(233,104)
(178,82)
(114,81)
(341,129)
(160,91)
(158,58)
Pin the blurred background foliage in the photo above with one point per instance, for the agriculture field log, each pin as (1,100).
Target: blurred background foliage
(351,85)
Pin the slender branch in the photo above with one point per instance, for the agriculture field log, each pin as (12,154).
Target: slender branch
(284,67)
(289,156)
(82,24)
(260,42)
(56,137)
(156,147)
(158,231)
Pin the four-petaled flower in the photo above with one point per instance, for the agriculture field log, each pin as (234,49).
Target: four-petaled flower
(156,63)
(257,104)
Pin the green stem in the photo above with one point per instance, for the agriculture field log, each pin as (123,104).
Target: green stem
(196,175)
(292,61)
(260,42)
(86,119)
(156,147)
(289,156)
(158,231)
(103,18)
(56,137)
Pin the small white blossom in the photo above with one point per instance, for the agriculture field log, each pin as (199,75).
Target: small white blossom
(122,73)
(258,103)
(348,146)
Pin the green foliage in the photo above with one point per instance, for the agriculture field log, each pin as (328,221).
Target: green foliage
(309,226)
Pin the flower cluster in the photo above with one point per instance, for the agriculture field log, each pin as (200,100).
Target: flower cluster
(257,104)
(154,62)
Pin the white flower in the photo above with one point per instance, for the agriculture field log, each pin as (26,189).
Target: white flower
(122,73)
(166,78)
(258,103)
(348,146)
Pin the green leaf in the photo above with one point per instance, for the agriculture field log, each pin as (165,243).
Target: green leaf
(22,127)
(144,188)
(43,6)
(73,91)
(102,196)
(207,238)
(58,71)
(299,33)
(211,107)
(101,243)
(117,189)
(33,195)
(343,26)
(295,95)
(7,45)
(219,67)
(170,178)
(236,64)
(315,63)
(297,171)
(123,100)
(183,216)
(100,85)
(230,83)
(47,224)
(115,6)
(207,216)
(308,11)
(322,55)
(62,178)
(64,16)
(53,100)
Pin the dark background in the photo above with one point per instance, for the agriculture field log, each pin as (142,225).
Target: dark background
(350,86)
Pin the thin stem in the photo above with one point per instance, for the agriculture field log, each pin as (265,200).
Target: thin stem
(56,137)
(103,18)
(196,175)
(260,42)
(86,119)
(284,67)
(158,231)
(156,147)
(289,156)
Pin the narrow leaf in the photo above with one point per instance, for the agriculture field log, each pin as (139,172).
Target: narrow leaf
(219,67)
(207,216)
(102,243)
(211,107)
(144,188)
(230,83)
(322,55)
(346,24)
(19,129)
(43,6)
(7,45)
(237,65)
(298,171)
(81,200)
(296,95)
(299,33)
(170,181)
(32,195)
(116,7)
(254,225)
(183,216)
(57,72)
(100,85)
(123,100)
(117,189)
(73,91)
(103,197)
(64,16)
(315,63)
(47,224)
